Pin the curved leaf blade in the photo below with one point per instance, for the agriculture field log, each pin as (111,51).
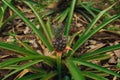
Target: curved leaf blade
(47,59)
(100,68)
(21,68)
(93,75)
(69,19)
(75,72)
(15,60)
(17,49)
(102,50)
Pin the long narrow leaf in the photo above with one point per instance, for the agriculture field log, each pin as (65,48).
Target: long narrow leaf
(39,70)
(2,12)
(33,57)
(31,25)
(96,57)
(75,72)
(15,60)
(4,23)
(63,15)
(88,9)
(118,63)
(21,68)
(69,19)
(100,68)
(17,49)
(3,9)
(48,76)
(85,15)
(93,75)
(49,29)
(102,50)
(59,67)
(26,46)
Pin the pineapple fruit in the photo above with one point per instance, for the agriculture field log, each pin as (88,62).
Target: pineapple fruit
(59,43)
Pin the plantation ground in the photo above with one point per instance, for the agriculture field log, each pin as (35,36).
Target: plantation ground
(17,30)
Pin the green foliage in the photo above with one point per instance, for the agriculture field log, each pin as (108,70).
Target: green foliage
(116,7)
(75,72)
(67,66)
(3,21)
(118,64)
(114,28)
(70,14)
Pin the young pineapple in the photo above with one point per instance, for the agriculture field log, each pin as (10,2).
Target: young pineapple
(59,41)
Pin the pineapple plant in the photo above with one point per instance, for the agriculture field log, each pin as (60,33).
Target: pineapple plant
(57,68)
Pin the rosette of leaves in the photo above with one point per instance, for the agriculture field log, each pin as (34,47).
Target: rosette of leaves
(57,68)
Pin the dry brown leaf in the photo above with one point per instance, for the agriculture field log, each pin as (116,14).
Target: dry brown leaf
(112,60)
(4,56)
(22,73)
(33,42)
(95,47)
(117,53)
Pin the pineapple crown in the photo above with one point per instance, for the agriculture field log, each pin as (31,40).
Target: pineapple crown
(58,30)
